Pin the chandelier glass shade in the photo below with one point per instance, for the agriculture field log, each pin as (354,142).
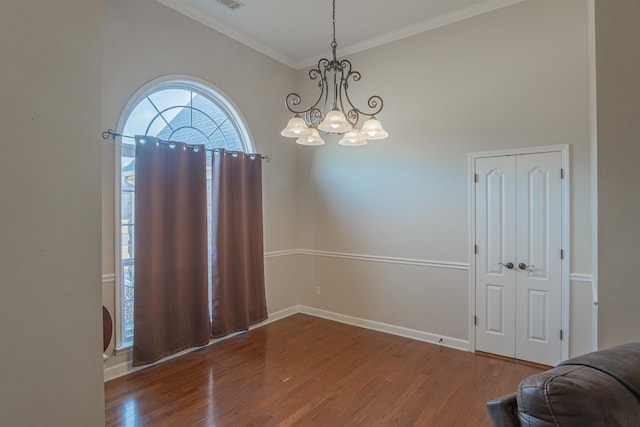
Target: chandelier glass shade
(352,139)
(296,128)
(313,138)
(333,112)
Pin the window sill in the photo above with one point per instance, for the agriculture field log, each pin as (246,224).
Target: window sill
(122,350)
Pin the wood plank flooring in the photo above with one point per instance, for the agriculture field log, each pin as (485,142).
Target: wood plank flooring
(306,371)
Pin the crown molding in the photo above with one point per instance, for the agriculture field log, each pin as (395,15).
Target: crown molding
(421,27)
(411,30)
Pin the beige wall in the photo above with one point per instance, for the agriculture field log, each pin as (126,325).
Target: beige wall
(515,77)
(618,83)
(50,324)
(144,40)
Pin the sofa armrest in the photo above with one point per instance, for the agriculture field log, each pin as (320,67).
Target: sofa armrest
(503,411)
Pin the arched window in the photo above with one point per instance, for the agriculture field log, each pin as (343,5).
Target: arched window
(183,110)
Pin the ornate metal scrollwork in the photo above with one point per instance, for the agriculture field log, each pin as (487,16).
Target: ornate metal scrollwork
(333,110)
(339,73)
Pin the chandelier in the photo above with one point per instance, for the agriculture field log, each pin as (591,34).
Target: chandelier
(333,112)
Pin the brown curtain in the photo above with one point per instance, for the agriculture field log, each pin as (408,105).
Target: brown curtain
(238,292)
(171,309)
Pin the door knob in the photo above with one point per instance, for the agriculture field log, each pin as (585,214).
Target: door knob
(523,266)
(509,265)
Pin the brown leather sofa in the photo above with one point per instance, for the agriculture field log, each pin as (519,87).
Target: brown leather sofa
(598,389)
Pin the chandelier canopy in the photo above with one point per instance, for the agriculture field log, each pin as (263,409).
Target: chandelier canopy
(333,111)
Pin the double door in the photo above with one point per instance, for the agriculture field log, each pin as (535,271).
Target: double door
(518,268)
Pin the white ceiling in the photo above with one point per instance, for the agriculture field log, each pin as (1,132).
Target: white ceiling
(298,32)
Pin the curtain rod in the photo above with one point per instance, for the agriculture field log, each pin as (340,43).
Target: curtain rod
(110,134)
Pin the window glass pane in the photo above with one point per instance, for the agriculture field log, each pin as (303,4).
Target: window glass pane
(167,98)
(181,119)
(138,120)
(209,108)
(204,122)
(231,136)
(158,126)
(127,218)
(228,141)
(169,103)
(189,136)
(127,303)
(127,242)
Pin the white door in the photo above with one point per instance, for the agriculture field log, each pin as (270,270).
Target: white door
(518,260)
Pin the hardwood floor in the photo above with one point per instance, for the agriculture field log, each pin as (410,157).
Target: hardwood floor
(306,371)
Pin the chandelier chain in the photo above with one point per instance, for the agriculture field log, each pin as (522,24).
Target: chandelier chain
(334,44)
(334,21)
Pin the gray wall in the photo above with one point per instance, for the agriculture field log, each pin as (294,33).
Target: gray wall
(618,90)
(515,77)
(50,300)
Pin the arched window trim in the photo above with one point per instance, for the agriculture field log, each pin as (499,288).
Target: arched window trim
(176,81)
(181,81)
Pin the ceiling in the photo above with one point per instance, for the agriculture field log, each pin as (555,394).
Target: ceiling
(298,32)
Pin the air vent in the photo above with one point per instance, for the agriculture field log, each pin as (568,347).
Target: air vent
(231,4)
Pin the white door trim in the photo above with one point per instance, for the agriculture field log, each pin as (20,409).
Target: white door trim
(593,120)
(566,236)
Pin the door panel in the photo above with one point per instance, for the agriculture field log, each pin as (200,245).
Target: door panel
(495,284)
(538,315)
(536,222)
(496,199)
(495,309)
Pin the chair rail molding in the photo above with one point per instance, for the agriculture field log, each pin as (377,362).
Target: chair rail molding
(453,265)
(275,254)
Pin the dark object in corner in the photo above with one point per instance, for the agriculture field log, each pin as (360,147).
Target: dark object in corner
(107,328)
(597,389)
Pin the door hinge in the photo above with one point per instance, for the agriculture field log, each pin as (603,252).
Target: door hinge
(561,173)
(476,178)
(475,320)
(561,253)
(476,249)
(561,334)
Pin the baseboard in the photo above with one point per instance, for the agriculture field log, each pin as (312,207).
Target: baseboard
(278,315)
(125,368)
(119,370)
(428,337)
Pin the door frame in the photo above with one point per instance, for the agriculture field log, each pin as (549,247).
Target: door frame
(563,149)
